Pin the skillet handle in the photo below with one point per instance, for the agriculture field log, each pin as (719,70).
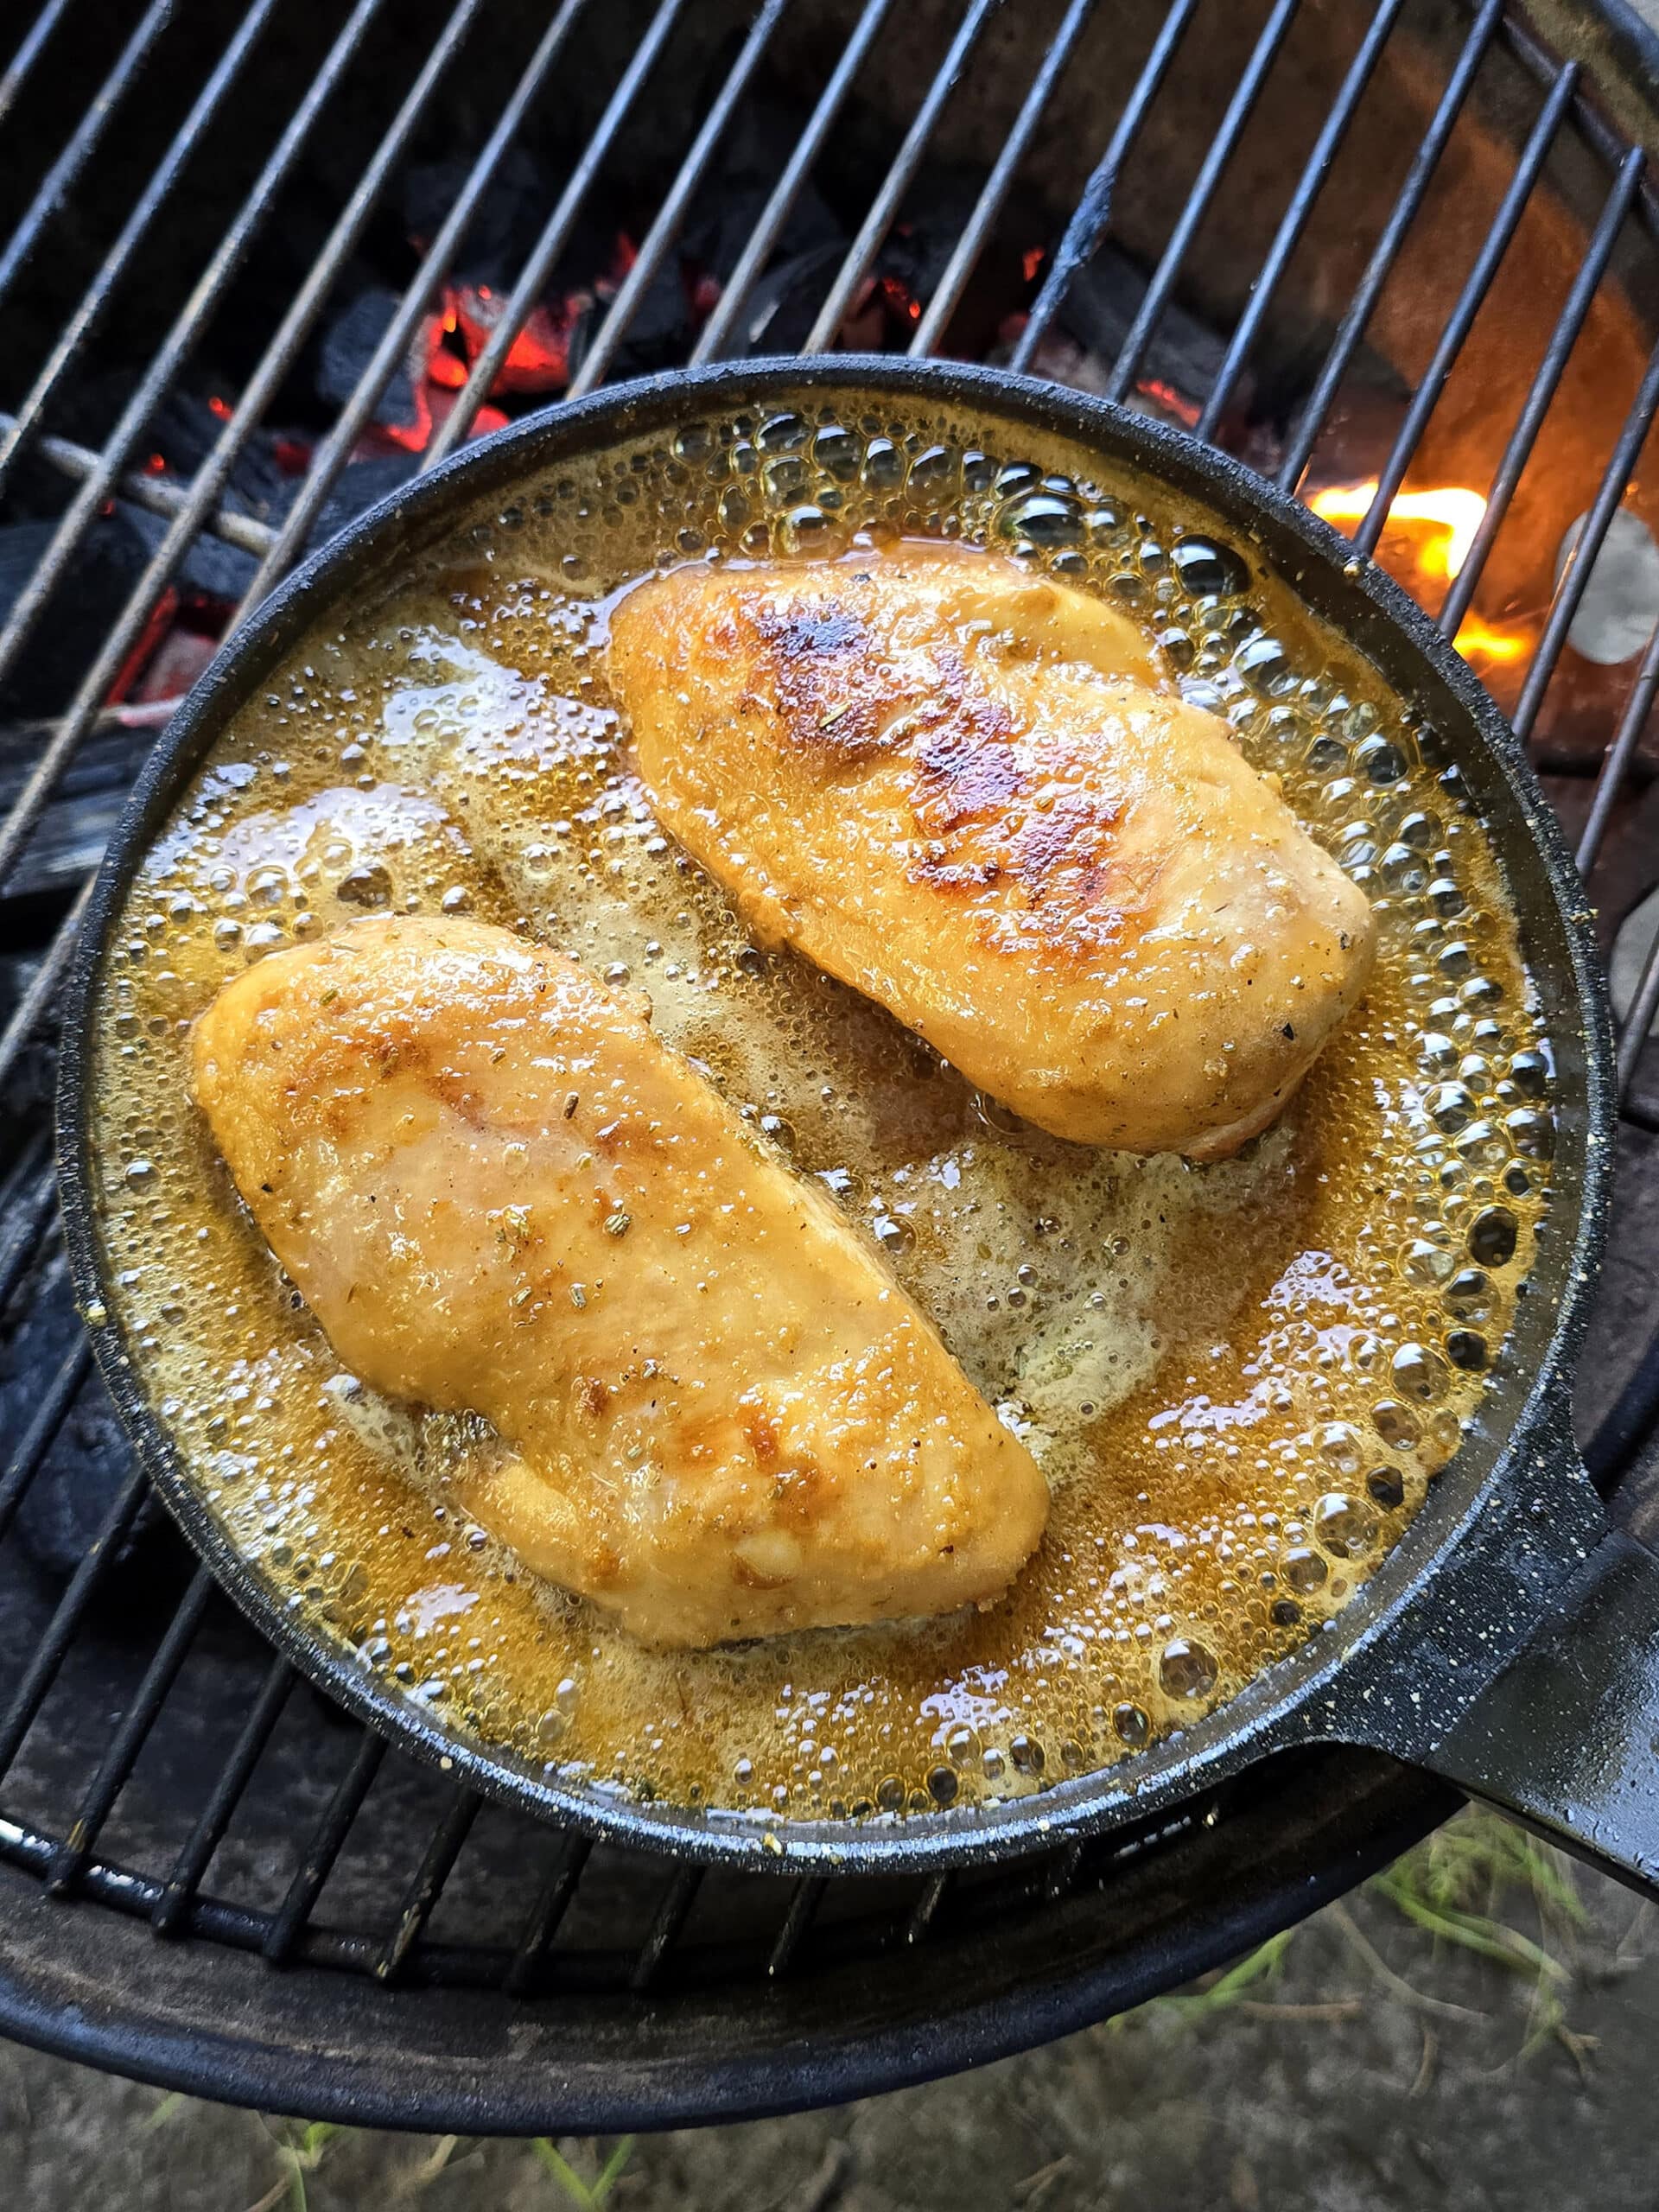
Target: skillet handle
(1567,1737)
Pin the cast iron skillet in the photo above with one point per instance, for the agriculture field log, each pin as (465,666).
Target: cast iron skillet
(1510,1640)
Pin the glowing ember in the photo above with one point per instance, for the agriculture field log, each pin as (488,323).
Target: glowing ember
(1453,514)
(1173,403)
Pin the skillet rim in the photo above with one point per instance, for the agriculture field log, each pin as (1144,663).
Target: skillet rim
(1320,1691)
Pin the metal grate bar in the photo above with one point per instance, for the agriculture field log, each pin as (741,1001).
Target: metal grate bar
(48,1655)
(30,1190)
(969,247)
(671,215)
(1617,760)
(36,1439)
(172,1905)
(1311,421)
(855,266)
(1580,561)
(64,173)
(552,244)
(196,505)
(96,298)
(1467,306)
(1081,236)
(426,1887)
(926,1909)
(70,1859)
(331,456)
(802,1911)
(186,329)
(29,53)
(1634,1033)
(1587,115)
(677,1899)
(1295,221)
(527,1964)
(1157,296)
(712,338)
(44,988)
(1565,336)
(162,495)
(287,1922)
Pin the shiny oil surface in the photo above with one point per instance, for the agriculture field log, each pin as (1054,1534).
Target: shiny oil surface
(1238,1378)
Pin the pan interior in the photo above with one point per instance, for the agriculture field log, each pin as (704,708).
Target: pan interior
(1241,1380)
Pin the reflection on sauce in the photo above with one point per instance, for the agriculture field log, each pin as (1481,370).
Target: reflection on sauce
(1238,1378)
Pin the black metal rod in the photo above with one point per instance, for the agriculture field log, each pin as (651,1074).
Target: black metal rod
(677,1899)
(173,1903)
(1633,1033)
(332,455)
(29,53)
(426,1887)
(197,506)
(1294,220)
(1617,760)
(175,347)
(116,1764)
(44,1423)
(1568,325)
(95,300)
(528,1963)
(1239,108)
(161,495)
(997,185)
(555,234)
(671,215)
(30,1190)
(802,1911)
(1311,419)
(64,175)
(1081,239)
(856,264)
(1587,115)
(328,1839)
(713,337)
(30,1008)
(1469,299)
(1580,564)
(49,1653)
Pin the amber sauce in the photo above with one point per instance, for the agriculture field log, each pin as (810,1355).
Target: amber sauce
(1238,1378)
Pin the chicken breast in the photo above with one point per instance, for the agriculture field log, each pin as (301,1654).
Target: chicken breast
(966,791)
(500,1193)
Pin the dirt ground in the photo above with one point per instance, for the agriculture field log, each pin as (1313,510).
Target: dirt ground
(1475,2031)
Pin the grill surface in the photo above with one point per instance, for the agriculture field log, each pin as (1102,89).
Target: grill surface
(1406,245)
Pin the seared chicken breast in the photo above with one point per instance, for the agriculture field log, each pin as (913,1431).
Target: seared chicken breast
(967,790)
(500,1193)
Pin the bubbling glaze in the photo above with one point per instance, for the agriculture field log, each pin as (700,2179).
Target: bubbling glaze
(1238,1378)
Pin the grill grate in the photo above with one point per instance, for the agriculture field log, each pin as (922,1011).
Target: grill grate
(156,1766)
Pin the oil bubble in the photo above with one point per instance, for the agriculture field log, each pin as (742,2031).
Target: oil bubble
(1187,1668)
(1342,1527)
(1132,1726)
(1492,1237)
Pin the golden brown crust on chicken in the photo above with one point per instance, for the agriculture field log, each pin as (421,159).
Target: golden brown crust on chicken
(964,789)
(500,1193)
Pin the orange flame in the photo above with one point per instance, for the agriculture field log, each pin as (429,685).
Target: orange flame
(1452,513)
(1442,524)
(1478,643)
